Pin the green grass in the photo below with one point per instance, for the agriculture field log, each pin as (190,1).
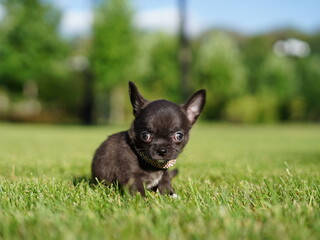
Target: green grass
(235,182)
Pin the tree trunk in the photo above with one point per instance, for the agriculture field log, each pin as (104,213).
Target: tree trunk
(87,113)
(184,51)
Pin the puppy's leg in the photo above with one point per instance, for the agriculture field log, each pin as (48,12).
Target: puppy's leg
(136,185)
(164,185)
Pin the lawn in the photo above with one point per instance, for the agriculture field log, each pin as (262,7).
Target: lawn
(235,182)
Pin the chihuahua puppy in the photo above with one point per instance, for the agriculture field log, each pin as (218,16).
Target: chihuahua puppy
(140,157)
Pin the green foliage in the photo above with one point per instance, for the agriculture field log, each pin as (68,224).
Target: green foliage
(219,69)
(235,182)
(254,50)
(245,80)
(279,83)
(243,109)
(162,73)
(252,109)
(278,76)
(114,43)
(30,46)
(32,53)
(310,85)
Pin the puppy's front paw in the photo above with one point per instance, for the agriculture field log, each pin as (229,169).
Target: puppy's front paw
(176,196)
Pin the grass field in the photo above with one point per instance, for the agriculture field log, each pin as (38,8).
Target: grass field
(235,182)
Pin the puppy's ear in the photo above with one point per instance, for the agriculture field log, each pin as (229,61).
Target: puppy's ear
(137,101)
(194,105)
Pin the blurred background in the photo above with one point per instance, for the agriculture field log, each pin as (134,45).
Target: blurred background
(70,61)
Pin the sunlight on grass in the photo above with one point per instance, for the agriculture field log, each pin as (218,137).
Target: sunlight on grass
(235,182)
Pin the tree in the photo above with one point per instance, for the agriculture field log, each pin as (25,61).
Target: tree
(254,50)
(33,60)
(114,49)
(162,73)
(184,51)
(30,46)
(220,71)
(309,72)
(278,80)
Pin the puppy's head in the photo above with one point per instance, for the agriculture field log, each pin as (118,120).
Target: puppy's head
(160,129)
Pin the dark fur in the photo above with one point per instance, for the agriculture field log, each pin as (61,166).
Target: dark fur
(116,160)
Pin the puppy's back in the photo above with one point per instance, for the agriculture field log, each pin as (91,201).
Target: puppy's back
(109,159)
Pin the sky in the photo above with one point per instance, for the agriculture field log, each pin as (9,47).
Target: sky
(245,16)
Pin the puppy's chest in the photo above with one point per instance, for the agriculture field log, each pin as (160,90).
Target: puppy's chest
(152,179)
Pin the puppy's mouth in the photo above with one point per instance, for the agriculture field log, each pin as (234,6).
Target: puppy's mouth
(163,160)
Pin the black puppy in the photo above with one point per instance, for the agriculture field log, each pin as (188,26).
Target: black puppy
(139,158)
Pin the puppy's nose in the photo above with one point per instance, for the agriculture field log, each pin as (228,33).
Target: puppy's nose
(162,152)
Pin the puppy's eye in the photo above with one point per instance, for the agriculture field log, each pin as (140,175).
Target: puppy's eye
(145,136)
(178,136)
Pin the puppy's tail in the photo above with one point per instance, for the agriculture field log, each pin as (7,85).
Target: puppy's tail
(173,173)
